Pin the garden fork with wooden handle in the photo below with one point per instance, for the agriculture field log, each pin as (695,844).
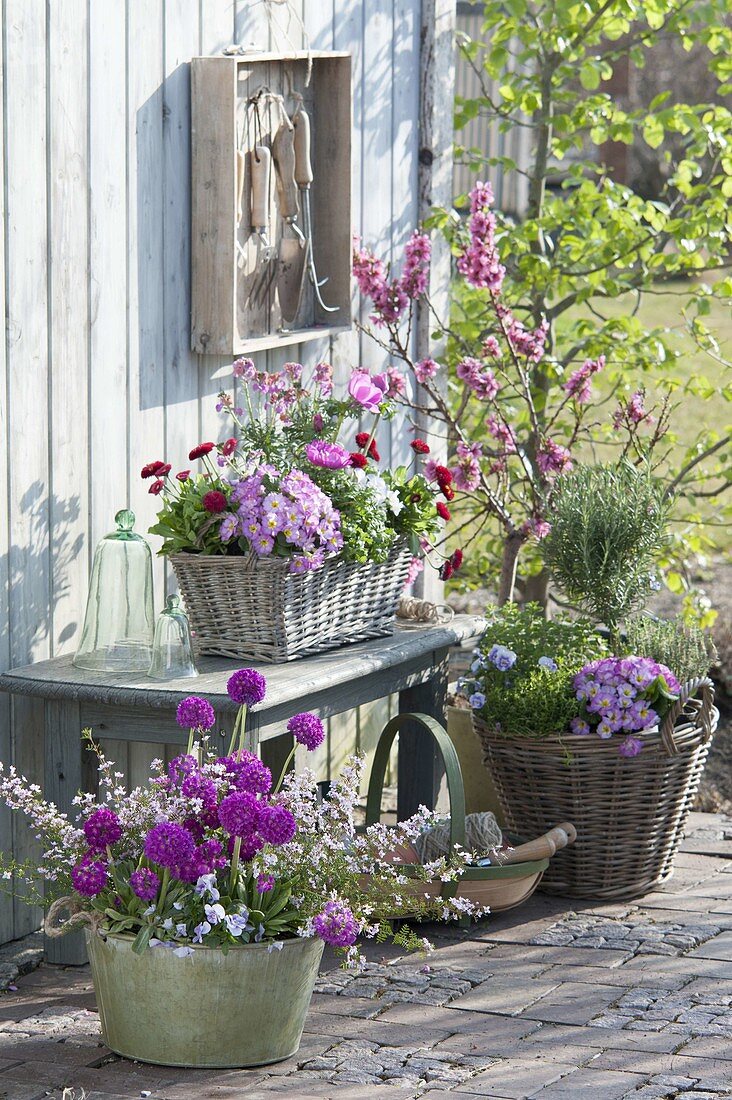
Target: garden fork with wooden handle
(304,178)
(293,250)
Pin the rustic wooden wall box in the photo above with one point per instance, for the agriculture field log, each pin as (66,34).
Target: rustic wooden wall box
(237,299)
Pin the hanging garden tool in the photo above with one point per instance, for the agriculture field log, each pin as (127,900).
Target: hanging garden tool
(261,167)
(293,250)
(304,178)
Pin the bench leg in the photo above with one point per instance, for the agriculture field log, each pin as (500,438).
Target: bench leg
(420,771)
(66,772)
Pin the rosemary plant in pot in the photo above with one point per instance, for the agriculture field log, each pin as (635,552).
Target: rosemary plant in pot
(211,878)
(606,720)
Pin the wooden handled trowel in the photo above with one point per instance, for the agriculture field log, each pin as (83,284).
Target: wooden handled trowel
(293,249)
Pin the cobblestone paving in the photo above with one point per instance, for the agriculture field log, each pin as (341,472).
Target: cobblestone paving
(558,1000)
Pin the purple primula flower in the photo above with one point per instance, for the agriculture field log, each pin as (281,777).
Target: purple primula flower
(336,925)
(102,828)
(604,730)
(169,845)
(579,726)
(502,658)
(89,876)
(307,729)
(145,883)
(329,456)
(229,526)
(278,826)
(247,687)
(265,883)
(631,746)
(240,813)
(195,713)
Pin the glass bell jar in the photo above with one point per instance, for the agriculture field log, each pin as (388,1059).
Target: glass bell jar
(119,621)
(172,654)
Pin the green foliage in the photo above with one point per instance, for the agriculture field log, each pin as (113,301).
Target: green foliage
(530,700)
(608,532)
(366,526)
(588,242)
(184,523)
(685,649)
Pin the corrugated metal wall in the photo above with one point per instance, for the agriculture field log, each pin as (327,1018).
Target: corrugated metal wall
(482,133)
(96,375)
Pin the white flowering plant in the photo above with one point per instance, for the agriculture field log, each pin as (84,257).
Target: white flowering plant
(211,852)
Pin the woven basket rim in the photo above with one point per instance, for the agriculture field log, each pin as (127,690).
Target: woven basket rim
(275,562)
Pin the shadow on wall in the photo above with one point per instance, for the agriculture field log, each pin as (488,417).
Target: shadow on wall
(39,591)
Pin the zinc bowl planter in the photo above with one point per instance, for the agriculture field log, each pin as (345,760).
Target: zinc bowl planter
(629,813)
(211,1009)
(255,609)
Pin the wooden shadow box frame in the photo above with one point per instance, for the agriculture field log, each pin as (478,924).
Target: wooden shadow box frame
(227,316)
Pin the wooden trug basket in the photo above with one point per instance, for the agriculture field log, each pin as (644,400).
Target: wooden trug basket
(497,887)
(255,609)
(629,812)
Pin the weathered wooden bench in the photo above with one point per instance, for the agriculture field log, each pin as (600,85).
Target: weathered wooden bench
(412,662)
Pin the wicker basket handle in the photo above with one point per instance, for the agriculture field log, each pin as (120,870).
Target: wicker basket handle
(453,773)
(688,691)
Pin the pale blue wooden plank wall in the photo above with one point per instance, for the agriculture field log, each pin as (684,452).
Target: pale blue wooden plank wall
(96,375)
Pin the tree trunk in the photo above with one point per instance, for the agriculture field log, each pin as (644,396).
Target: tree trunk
(536,590)
(511,548)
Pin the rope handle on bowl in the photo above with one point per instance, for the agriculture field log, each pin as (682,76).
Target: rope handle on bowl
(688,691)
(453,773)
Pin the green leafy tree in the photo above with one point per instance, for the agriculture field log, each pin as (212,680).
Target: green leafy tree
(588,242)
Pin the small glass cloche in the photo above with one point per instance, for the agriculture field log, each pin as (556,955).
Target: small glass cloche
(119,621)
(172,656)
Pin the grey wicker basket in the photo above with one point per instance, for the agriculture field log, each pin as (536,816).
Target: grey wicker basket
(629,813)
(255,609)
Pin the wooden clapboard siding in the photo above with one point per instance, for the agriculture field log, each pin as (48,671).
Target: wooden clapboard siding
(96,372)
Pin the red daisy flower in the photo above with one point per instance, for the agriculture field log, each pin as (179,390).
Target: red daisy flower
(448,492)
(201,450)
(152,469)
(164,469)
(362,439)
(183,475)
(420,447)
(443,475)
(446,571)
(157,487)
(442,510)
(358,460)
(214,502)
(229,447)
(456,560)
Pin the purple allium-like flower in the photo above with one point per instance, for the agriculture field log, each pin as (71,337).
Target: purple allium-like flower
(240,813)
(307,729)
(199,786)
(246,772)
(145,883)
(195,713)
(102,828)
(250,845)
(89,876)
(247,687)
(631,746)
(265,883)
(336,925)
(169,845)
(278,825)
(330,456)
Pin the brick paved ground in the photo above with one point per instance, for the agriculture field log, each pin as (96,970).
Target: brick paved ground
(557,1000)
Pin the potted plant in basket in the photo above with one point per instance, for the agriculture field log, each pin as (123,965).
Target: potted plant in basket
(291,539)
(210,877)
(601,727)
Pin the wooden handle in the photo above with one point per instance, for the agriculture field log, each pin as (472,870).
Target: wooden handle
(544,847)
(239,185)
(261,164)
(303,163)
(283,149)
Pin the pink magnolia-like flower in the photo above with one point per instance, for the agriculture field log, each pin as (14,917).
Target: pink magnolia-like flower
(536,527)
(364,391)
(503,433)
(634,412)
(552,458)
(480,263)
(578,384)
